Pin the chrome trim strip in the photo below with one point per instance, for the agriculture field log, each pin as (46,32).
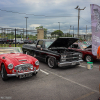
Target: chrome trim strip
(23,60)
(41,51)
(10,75)
(68,63)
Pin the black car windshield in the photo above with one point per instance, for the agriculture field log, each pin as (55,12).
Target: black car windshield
(48,43)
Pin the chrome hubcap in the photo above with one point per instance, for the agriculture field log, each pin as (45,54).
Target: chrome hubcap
(51,62)
(88,58)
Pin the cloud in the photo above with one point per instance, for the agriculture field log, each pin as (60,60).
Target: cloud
(46,13)
(34,26)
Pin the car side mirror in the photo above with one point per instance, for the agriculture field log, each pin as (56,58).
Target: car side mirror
(38,46)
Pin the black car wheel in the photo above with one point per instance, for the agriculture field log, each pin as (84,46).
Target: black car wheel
(3,73)
(88,58)
(52,62)
(35,73)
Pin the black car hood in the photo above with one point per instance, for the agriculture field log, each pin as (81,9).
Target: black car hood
(63,42)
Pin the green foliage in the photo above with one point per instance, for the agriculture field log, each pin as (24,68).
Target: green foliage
(57,33)
(12,36)
(40,27)
(18,36)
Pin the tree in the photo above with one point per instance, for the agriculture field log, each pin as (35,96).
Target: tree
(69,35)
(57,33)
(45,30)
(12,33)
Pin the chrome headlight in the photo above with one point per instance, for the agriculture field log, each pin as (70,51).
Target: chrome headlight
(31,67)
(63,56)
(19,68)
(10,66)
(80,55)
(63,60)
(37,63)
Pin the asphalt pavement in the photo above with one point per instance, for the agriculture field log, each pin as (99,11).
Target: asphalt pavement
(68,83)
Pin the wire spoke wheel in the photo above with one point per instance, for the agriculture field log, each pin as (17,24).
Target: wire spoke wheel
(88,58)
(3,73)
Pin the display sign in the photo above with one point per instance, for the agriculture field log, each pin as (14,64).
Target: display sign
(95,26)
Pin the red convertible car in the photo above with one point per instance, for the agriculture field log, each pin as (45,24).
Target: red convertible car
(85,49)
(14,63)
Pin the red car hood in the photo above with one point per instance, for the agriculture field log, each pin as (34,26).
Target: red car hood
(19,58)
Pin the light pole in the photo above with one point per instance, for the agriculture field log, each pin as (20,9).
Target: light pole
(73,31)
(26,27)
(59,27)
(69,29)
(79,17)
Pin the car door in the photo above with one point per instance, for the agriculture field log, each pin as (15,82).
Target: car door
(40,50)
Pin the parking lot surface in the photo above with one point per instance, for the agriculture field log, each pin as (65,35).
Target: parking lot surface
(68,83)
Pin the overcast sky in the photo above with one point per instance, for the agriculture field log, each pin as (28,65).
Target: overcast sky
(47,13)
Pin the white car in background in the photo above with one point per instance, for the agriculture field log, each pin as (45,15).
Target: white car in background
(18,41)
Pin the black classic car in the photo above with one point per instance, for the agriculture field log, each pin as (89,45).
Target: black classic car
(54,52)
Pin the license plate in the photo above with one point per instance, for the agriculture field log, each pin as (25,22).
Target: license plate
(73,63)
(25,75)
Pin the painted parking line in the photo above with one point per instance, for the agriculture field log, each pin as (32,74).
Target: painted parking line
(73,81)
(44,72)
(82,66)
(84,96)
(86,66)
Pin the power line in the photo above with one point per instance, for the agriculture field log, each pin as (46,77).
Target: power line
(34,14)
(86,20)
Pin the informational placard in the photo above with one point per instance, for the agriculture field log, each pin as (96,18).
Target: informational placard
(95,26)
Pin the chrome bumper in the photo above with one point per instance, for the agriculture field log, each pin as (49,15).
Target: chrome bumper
(62,64)
(17,74)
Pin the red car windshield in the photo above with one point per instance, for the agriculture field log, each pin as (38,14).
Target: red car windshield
(83,46)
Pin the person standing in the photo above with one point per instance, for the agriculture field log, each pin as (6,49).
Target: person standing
(98,57)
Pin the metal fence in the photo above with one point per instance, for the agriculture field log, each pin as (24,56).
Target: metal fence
(14,33)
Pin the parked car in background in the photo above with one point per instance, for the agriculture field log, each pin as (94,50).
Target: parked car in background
(5,41)
(18,41)
(10,41)
(28,41)
(86,50)
(14,63)
(35,41)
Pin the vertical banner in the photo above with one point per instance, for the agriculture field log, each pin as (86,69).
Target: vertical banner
(95,26)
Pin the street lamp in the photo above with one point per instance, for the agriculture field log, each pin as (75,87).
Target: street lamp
(26,27)
(59,27)
(70,29)
(79,17)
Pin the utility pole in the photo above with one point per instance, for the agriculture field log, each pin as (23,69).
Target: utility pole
(26,27)
(69,29)
(73,31)
(86,29)
(86,32)
(59,27)
(79,17)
